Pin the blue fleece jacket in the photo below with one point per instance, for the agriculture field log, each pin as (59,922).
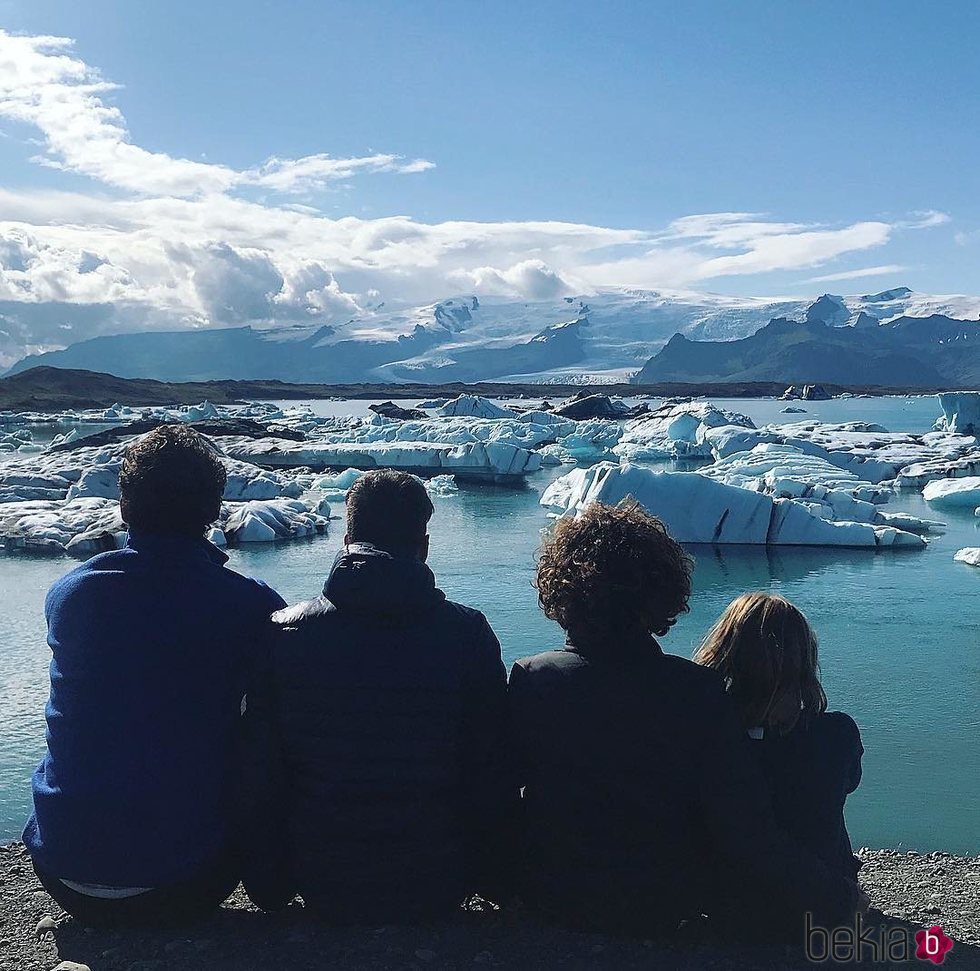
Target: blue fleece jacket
(152,649)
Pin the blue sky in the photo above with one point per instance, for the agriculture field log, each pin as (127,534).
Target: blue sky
(843,137)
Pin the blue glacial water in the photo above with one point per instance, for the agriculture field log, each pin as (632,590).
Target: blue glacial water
(899,632)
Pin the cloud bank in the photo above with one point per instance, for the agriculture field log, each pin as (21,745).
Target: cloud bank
(160,241)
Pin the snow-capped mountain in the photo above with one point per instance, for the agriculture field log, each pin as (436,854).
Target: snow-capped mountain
(602,337)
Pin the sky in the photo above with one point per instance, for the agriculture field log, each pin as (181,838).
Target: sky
(214,163)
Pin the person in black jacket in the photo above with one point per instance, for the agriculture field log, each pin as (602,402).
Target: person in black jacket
(764,648)
(379,789)
(641,799)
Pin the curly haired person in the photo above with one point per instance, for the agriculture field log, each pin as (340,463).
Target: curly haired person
(642,805)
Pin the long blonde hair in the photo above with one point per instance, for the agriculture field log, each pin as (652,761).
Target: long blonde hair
(764,648)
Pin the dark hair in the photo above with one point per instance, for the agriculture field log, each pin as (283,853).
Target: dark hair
(171,481)
(613,569)
(388,509)
(765,649)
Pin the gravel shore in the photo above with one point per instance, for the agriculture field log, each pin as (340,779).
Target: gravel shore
(913,890)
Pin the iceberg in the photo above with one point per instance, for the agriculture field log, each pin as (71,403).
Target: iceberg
(970,555)
(521,431)
(919,474)
(780,469)
(863,448)
(699,509)
(80,527)
(441,486)
(84,526)
(271,520)
(473,406)
(677,431)
(93,471)
(494,462)
(336,484)
(961,412)
(205,410)
(16,441)
(954,493)
(591,441)
(585,406)
(100,481)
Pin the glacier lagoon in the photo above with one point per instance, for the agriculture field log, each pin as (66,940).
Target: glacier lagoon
(899,631)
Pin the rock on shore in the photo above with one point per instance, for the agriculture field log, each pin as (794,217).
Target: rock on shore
(913,890)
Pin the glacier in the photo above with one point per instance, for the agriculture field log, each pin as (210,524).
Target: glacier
(602,336)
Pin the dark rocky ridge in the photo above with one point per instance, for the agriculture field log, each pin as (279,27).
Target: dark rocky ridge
(57,389)
(918,352)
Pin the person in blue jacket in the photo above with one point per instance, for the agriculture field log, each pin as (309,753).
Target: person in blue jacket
(152,647)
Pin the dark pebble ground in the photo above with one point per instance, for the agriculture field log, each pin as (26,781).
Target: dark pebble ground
(913,890)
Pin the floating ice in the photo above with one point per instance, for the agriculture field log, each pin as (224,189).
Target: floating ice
(80,527)
(473,406)
(205,410)
(495,462)
(970,555)
(15,441)
(338,482)
(676,431)
(442,486)
(919,474)
(961,412)
(699,509)
(587,406)
(786,472)
(275,519)
(590,441)
(953,493)
(101,481)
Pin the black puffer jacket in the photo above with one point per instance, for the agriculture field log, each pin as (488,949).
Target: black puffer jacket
(642,803)
(378,779)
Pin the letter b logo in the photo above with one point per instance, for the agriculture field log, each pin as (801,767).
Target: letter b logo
(932,944)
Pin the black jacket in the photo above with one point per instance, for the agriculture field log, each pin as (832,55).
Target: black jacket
(642,802)
(810,772)
(378,782)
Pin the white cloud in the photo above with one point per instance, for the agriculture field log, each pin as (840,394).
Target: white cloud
(44,85)
(161,241)
(859,274)
(530,279)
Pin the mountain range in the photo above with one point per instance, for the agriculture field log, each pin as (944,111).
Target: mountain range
(926,352)
(609,336)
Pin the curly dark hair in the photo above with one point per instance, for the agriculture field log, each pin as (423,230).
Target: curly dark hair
(171,481)
(388,509)
(614,569)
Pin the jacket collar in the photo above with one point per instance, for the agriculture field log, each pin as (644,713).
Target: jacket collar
(174,546)
(366,578)
(614,646)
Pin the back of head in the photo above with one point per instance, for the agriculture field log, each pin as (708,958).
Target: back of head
(390,510)
(171,481)
(612,571)
(766,651)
